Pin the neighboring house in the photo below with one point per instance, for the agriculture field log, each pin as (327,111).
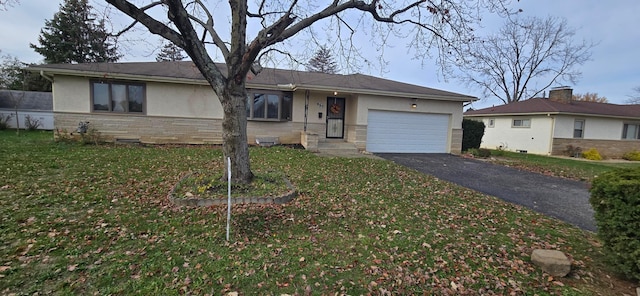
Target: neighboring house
(37,106)
(549,126)
(170,102)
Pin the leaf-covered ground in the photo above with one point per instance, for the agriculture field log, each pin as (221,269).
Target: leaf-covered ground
(96,220)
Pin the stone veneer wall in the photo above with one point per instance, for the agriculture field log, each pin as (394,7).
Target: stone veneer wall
(607,148)
(357,134)
(167,130)
(456,141)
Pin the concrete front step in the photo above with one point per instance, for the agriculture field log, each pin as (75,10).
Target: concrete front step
(341,146)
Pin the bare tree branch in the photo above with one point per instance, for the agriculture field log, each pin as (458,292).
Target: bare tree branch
(5,4)
(208,27)
(154,26)
(130,26)
(635,98)
(442,23)
(523,59)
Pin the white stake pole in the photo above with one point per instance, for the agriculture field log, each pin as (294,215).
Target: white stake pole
(229,195)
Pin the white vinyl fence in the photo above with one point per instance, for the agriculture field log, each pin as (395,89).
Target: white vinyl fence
(44,117)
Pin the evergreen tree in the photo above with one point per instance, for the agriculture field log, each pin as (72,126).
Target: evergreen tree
(74,35)
(170,52)
(322,62)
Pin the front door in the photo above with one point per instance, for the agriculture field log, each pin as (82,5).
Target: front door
(335,118)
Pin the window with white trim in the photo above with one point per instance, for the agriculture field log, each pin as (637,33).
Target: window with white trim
(118,97)
(268,105)
(578,128)
(631,131)
(521,123)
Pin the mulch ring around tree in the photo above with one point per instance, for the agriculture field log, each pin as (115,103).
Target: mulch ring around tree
(197,189)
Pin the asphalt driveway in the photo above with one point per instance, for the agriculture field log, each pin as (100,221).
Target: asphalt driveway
(564,199)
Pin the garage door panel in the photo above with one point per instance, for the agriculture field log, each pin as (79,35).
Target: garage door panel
(405,132)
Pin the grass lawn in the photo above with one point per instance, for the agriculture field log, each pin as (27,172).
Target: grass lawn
(577,169)
(96,220)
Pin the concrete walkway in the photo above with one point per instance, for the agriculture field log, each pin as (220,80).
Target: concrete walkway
(564,199)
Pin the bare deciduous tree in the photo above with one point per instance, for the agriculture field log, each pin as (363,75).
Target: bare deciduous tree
(524,58)
(194,25)
(12,76)
(590,97)
(635,98)
(5,4)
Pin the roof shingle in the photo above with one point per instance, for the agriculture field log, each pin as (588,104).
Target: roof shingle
(267,77)
(28,100)
(540,106)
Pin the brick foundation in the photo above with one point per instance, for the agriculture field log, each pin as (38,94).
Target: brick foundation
(177,130)
(607,148)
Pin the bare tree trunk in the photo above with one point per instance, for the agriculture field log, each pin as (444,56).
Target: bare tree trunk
(234,135)
(17,121)
(16,103)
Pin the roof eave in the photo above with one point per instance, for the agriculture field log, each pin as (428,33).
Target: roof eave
(108,75)
(332,89)
(551,113)
(163,79)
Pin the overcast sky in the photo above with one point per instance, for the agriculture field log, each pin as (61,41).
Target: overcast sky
(613,72)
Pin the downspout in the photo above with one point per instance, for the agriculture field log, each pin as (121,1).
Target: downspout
(306,108)
(48,78)
(553,131)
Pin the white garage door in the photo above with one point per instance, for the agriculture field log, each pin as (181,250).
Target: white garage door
(407,132)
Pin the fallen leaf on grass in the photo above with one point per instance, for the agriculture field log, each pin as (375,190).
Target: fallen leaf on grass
(72,267)
(558,283)
(4,268)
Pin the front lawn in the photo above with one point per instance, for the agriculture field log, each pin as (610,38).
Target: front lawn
(571,168)
(96,220)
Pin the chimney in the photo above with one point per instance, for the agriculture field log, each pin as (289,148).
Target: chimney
(563,94)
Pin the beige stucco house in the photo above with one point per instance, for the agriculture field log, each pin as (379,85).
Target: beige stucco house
(547,126)
(170,102)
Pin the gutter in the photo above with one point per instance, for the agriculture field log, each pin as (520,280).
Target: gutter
(48,78)
(386,93)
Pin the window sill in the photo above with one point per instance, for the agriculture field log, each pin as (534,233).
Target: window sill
(268,120)
(117,113)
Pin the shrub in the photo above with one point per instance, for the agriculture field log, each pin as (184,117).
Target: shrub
(573,151)
(62,135)
(615,197)
(472,132)
(592,154)
(31,123)
(91,136)
(484,153)
(4,121)
(480,152)
(632,155)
